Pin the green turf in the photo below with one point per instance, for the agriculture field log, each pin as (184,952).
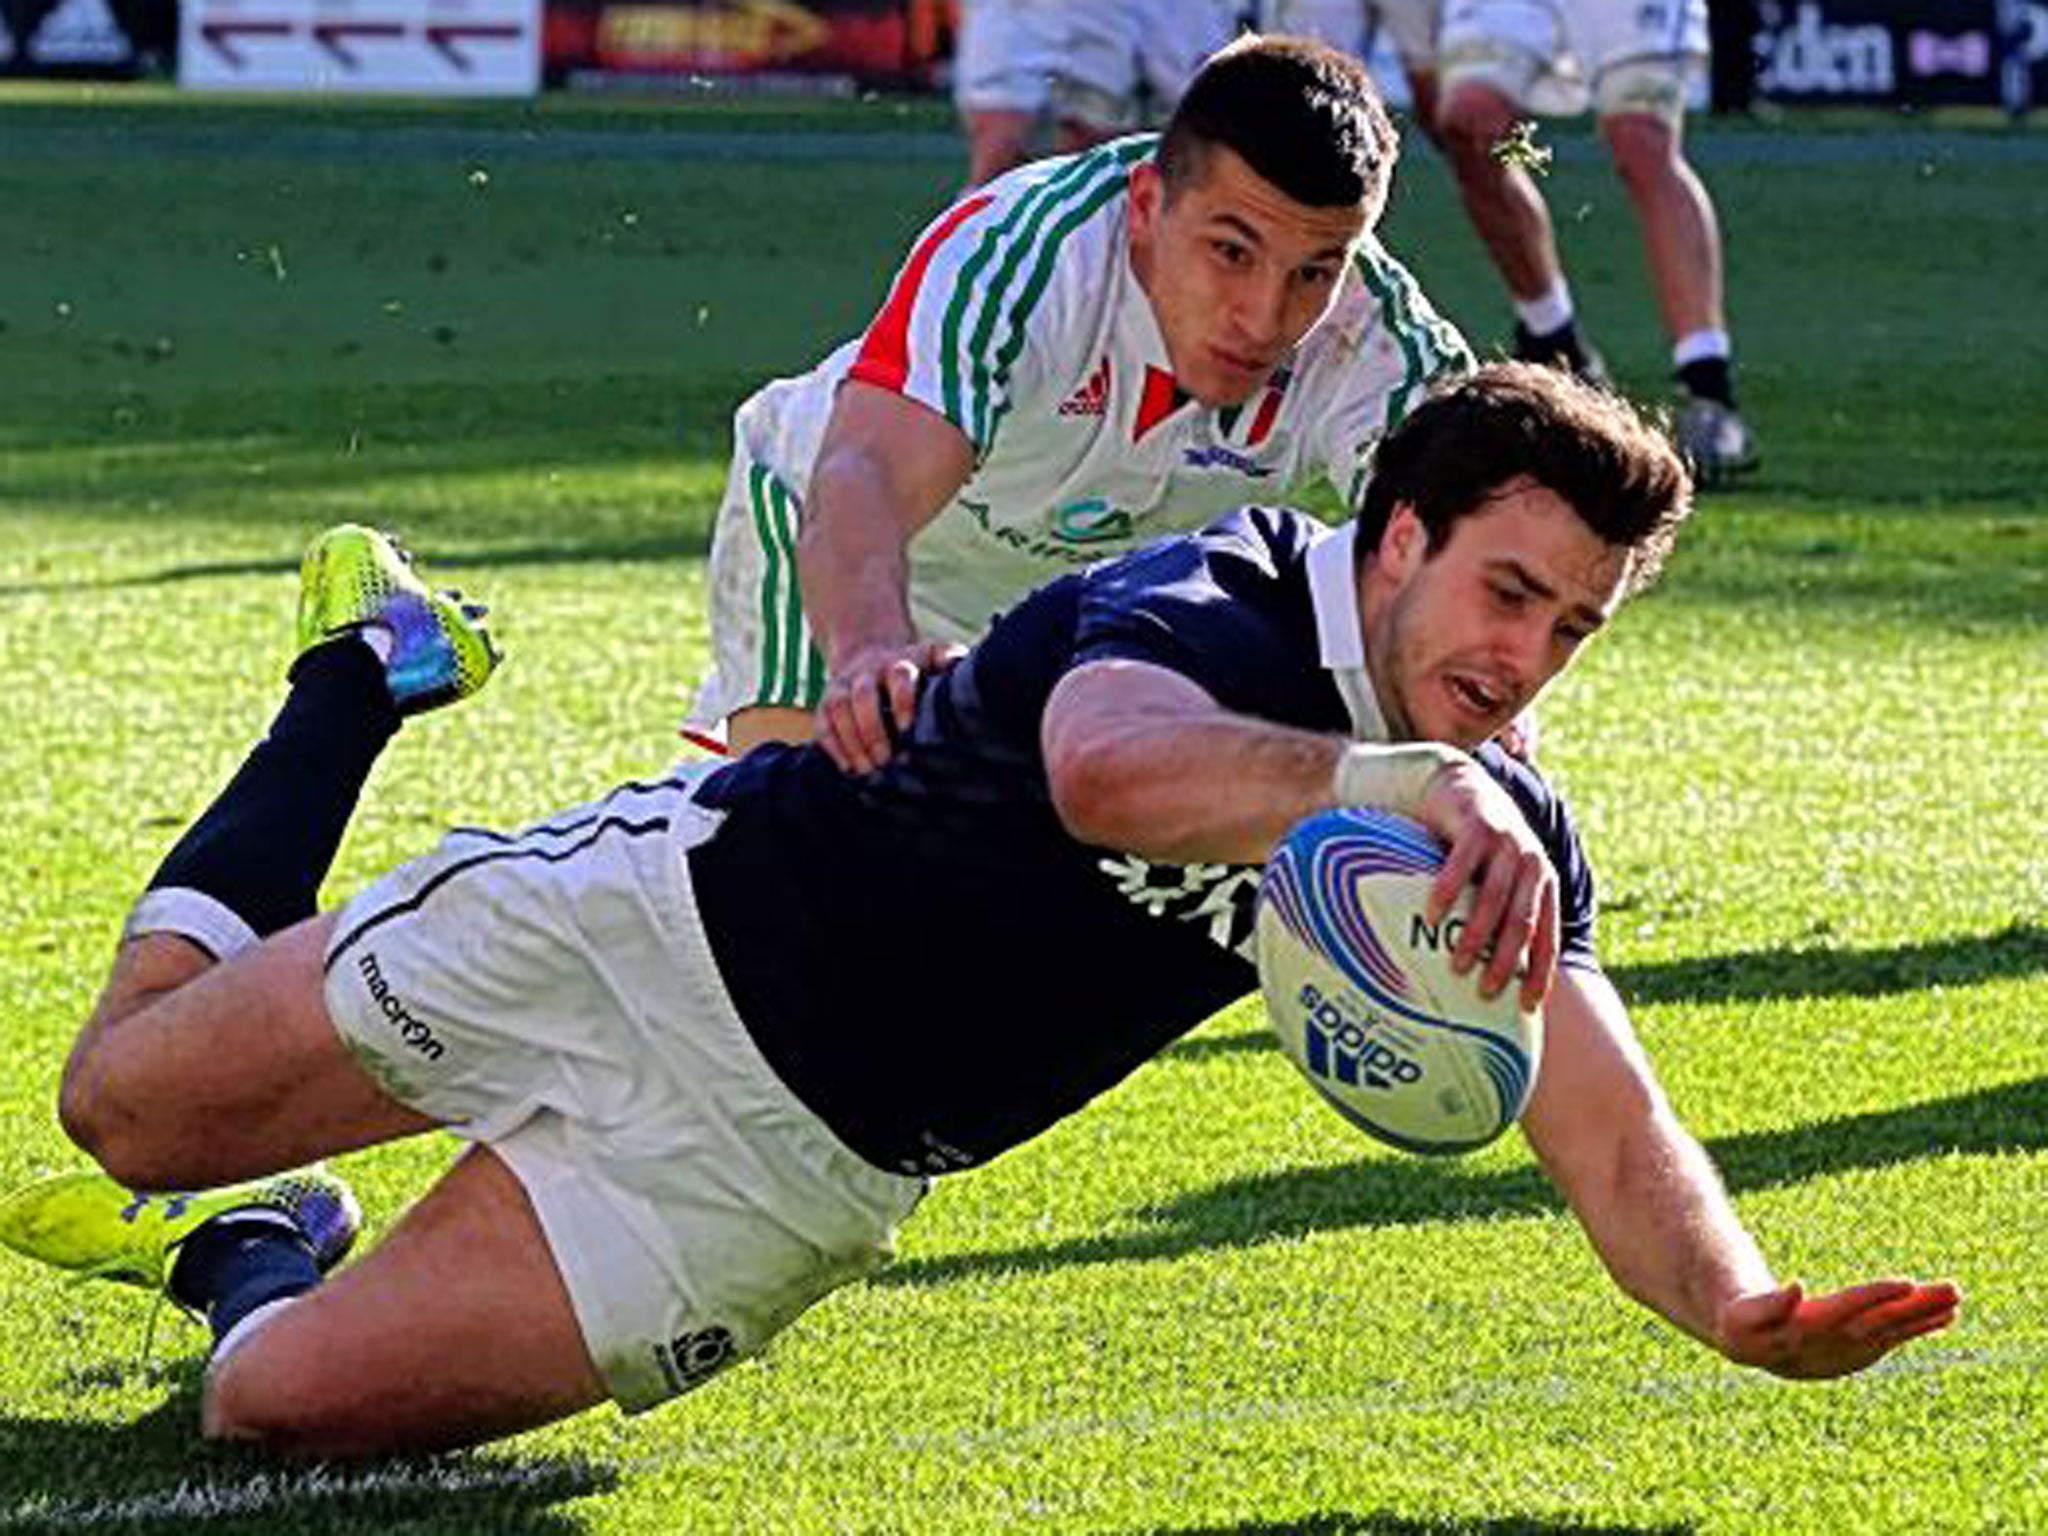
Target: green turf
(1810,769)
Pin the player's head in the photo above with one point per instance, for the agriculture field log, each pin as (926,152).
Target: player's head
(1508,517)
(1274,165)
(1302,116)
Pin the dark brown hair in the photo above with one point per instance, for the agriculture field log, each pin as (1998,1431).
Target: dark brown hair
(1477,435)
(1305,117)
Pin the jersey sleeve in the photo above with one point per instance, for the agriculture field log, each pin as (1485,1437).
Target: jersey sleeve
(1214,606)
(977,321)
(1402,348)
(1551,818)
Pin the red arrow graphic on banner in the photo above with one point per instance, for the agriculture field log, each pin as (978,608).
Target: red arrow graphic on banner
(334,36)
(445,37)
(219,35)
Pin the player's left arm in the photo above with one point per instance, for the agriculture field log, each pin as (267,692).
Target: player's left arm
(1654,1206)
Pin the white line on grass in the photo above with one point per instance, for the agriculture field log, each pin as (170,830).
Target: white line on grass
(270,1490)
(275,1490)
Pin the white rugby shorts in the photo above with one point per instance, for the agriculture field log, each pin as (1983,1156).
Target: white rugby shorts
(1558,56)
(1084,60)
(1354,25)
(551,994)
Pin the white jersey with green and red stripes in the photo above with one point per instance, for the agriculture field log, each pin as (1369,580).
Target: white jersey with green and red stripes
(1017,318)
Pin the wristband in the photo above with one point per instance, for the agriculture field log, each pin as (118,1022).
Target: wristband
(1393,778)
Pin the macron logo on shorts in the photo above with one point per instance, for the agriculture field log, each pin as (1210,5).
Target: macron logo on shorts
(410,1028)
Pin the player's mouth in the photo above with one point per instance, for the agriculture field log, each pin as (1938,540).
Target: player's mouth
(1240,366)
(1484,700)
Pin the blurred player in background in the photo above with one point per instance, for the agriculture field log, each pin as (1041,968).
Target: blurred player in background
(1081,70)
(1088,354)
(1475,68)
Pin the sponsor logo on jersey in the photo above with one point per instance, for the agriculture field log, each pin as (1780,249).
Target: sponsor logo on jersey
(1092,398)
(1222,896)
(691,1358)
(411,1029)
(1219,457)
(1091,520)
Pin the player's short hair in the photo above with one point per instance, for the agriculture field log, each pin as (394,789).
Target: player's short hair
(1479,434)
(1304,116)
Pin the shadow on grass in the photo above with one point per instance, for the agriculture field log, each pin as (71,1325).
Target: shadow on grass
(155,1474)
(1762,974)
(1341,1524)
(1391,1192)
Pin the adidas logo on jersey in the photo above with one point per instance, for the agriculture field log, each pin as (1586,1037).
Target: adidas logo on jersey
(1092,398)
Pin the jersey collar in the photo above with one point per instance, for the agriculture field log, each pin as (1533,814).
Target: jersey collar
(1340,637)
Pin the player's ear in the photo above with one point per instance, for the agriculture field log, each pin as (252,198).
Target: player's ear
(1404,542)
(1148,199)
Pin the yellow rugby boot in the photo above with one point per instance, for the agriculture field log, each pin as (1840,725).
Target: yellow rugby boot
(86,1223)
(435,647)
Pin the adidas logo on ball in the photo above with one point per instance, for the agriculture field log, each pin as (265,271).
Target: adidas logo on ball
(1362,996)
(1338,1048)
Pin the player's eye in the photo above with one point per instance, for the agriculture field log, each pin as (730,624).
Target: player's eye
(1317,276)
(1231,253)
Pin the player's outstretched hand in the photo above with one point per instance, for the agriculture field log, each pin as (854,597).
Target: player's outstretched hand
(1491,846)
(1790,1333)
(873,698)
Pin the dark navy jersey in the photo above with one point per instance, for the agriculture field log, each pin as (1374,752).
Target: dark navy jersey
(929,959)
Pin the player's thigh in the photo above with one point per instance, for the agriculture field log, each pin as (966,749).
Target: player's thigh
(748,728)
(455,1329)
(239,1071)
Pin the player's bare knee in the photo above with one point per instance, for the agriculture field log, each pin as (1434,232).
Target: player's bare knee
(1471,120)
(250,1400)
(1644,148)
(84,1104)
(108,1123)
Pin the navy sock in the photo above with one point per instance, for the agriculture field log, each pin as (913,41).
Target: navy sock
(239,1261)
(267,841)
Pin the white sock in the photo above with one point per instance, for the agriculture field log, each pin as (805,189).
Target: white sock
(245,1330)
(1550,312)
(192,915)
(1693,346)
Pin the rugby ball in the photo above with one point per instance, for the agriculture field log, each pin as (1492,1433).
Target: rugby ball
(1359,987)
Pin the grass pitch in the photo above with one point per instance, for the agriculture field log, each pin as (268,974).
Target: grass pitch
(1811,770)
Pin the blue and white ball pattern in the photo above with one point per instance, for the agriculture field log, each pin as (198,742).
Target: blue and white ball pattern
(1360,991)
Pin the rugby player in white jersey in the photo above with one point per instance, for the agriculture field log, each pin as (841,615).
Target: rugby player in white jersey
(687,1125)
(1085,355)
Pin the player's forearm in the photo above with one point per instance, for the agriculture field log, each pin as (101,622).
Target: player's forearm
(1662,1224)
(1144,760)
(853,564)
